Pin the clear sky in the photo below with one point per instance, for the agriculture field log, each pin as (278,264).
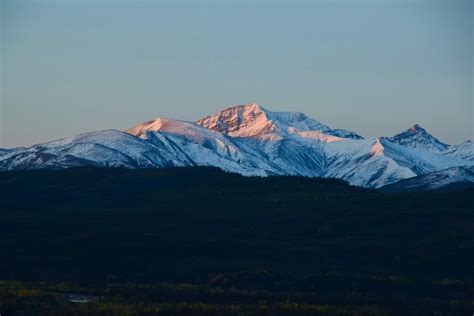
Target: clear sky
(374,67)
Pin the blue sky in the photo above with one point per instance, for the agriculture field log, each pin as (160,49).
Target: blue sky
(375,67)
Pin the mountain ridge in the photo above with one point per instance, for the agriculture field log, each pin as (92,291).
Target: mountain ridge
(253,141)
(417,137)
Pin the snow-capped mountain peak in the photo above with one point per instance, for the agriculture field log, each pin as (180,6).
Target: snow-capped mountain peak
(154,125)
(251,140)
(418,138)
(417,129)
(165,125)
(253,120)
(248,120)
(188,130)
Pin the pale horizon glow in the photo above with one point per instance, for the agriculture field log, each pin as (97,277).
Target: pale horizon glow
(375,68)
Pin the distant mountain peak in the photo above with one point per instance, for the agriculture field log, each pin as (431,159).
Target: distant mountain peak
(253,120)
(174,127)
(416,128)
(248,108)
(251,140)
(156,125)
(246,120)
(417,137)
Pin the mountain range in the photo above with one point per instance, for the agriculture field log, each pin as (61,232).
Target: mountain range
(253,141)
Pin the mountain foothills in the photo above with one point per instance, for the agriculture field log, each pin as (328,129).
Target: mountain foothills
(253,141)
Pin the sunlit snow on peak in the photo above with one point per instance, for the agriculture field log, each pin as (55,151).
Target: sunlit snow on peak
(251,140)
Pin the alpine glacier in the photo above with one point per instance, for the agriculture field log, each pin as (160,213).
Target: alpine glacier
(253,141)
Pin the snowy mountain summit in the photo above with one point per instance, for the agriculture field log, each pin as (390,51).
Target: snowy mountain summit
(251,140)
(252,120)
(418,138)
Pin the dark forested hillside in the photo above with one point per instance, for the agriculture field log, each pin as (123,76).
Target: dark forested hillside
(202,236)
